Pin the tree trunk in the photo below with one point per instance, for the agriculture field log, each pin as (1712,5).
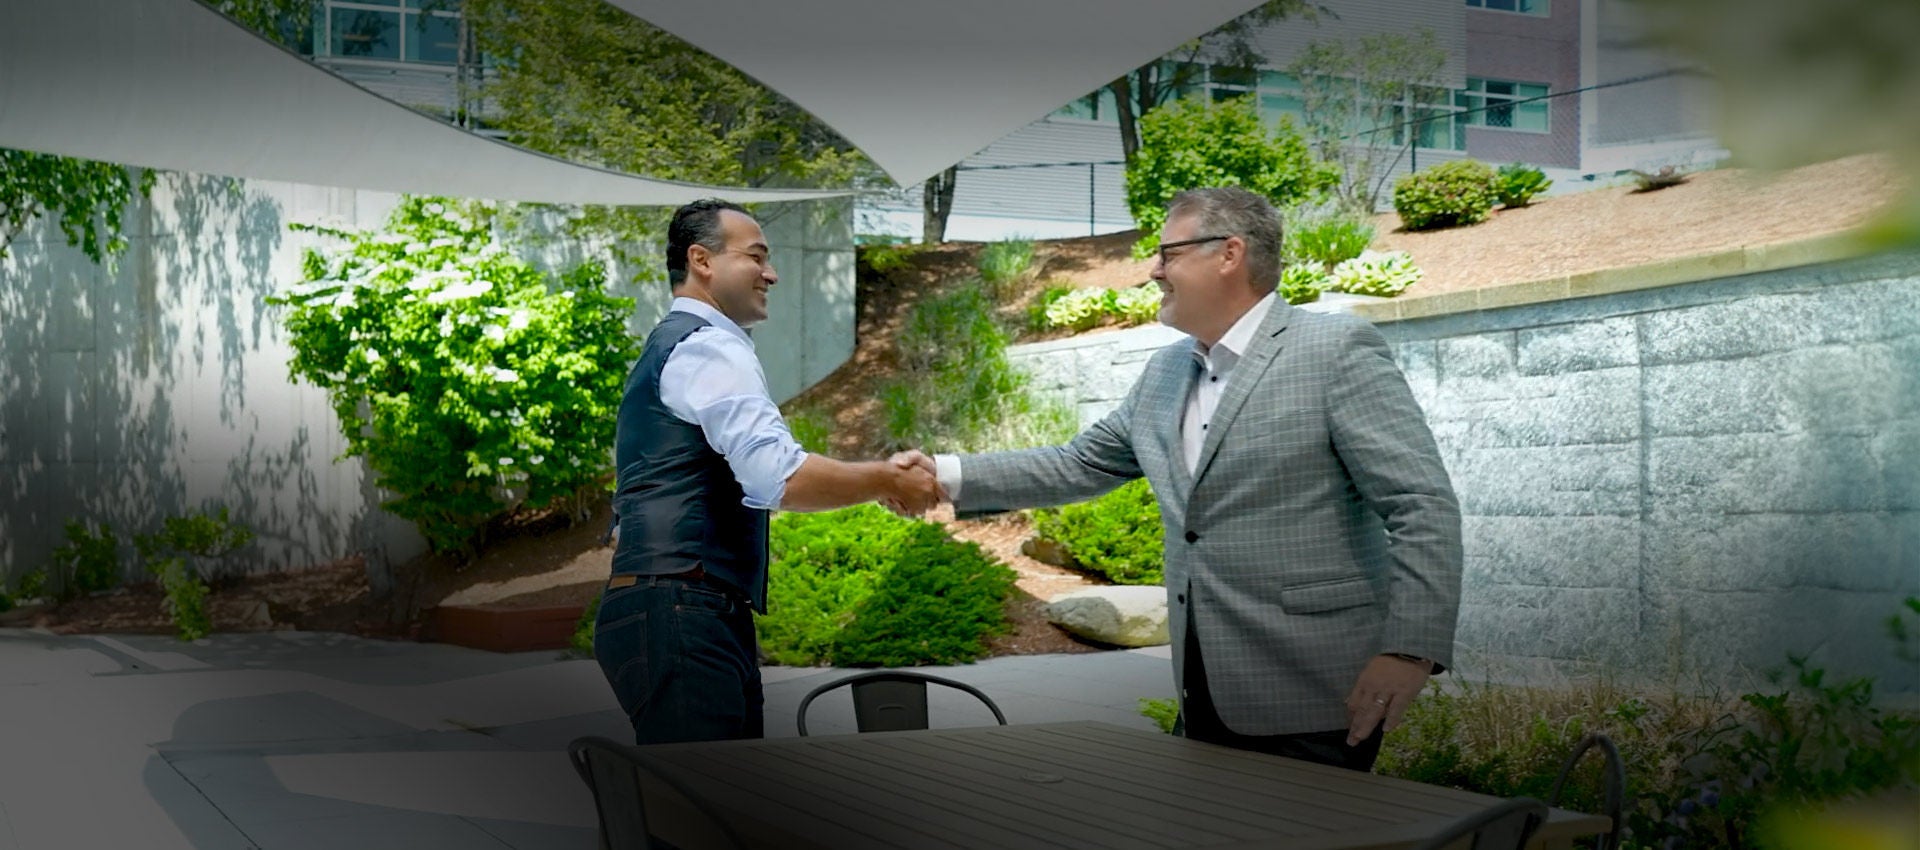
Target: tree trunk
(1123,108)
(936,201)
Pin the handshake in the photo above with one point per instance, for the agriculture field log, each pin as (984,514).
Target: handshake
(909,484)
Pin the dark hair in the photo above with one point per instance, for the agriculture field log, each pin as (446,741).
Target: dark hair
(1233,211)
(697,223)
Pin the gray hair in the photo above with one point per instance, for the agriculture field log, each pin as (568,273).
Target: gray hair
(1233,211)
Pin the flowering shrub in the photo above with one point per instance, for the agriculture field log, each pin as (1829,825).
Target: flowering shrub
(1382,273)
(1451,194)
(469,382)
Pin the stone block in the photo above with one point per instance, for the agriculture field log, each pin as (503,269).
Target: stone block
(1588,624)
(1556,551)
(1898,447)
(1747,473)
(1742,396)
(1485,356)
(1735,636)
(1756,551)
(1548,481)
(1604,344)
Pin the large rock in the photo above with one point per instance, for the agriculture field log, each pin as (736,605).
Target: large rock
(1119,615)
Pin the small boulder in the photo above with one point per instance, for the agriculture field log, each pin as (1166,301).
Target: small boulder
(1122,615)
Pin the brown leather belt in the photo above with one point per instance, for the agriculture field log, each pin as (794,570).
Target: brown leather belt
(630,579)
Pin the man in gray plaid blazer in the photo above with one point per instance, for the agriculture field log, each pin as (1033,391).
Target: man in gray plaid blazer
(1312,537)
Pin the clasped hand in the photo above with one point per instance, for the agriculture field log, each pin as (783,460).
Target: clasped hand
(912,488)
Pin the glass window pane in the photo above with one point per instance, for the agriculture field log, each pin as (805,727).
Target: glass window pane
(366,34)
(1277,80)
(1234,76)
(1272,106)
(1531,116)
(1529,90)
(1499,116)
(371,3)
(1535,7)
(433,38)
(1497,87)
(1502,5)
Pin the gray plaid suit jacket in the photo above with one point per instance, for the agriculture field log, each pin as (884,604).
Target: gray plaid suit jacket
(1319,529)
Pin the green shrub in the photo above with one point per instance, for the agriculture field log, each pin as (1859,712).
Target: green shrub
(1381,273)
(887,259)
(812,430)
(1163,712)
(582,641)
(1450,194)
(87,563)
(1193,143)
(186,598)
(1118,535)
(31,585)
(1137,305)
(206,538)
(861,586)
(956,390)
(1302,283)
(1037,311)
(1519,182)
(470,382)
(1003,264)
(1327,241)
(1080,309)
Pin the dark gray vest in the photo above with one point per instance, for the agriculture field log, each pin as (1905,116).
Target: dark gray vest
(678,503)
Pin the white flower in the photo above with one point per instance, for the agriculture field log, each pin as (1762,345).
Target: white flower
(505,376)
(436,208)
(373,355)
(495,333)
(506,461)
(567,294)
(446,325)
(415,248)
(520,320)
(459,292)
(536,460)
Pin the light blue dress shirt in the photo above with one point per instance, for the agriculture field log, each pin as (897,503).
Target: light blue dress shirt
(713,380)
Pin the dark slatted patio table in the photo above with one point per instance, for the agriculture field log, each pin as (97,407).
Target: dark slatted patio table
(1071,785)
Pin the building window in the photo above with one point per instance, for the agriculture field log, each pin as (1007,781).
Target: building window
(396,30)
(1098,106)
(1524,7)
(1504,104)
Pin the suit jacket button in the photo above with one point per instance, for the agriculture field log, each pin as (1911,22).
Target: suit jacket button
(1180,598)
(1192,537)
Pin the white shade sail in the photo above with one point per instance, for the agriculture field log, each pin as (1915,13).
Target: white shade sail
(171,84)
(922,84)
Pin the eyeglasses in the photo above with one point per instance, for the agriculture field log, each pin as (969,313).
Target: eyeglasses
(1164,259)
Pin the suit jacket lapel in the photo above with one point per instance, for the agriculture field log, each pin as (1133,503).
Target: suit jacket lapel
(1184,378)
(1246,373)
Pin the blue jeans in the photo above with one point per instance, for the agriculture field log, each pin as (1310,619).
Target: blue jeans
(682,658)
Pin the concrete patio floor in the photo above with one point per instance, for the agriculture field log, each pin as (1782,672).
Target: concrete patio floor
(294,740)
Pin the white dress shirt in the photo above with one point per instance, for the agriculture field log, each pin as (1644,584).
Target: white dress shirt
(713,380)
(1216,365)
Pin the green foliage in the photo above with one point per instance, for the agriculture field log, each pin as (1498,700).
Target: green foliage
(1519,182)
(582,641)
(887,259)
(1137,305)
(1701,772)
(1163,712)
(1037,311)
(1080,309)
(1381,273)
(1450,194)
(88,562)
(812,430)
(88,197)
(1192,143)
(1329,240)
(207,537)
(587,81)
(861,587)
(469,382)
(186,598)
(956,390)
(1354,97)
(1302,283)
(1005,264)
(31,585)
(1118,535)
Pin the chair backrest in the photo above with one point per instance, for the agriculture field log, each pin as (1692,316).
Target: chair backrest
(614,772)
(1613,783)
(1505,826)
(891,700)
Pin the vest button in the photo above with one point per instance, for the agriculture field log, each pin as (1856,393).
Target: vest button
(1192,537)
(1180,598)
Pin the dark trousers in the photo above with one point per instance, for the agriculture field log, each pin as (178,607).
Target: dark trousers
(1199,721)
(682,658)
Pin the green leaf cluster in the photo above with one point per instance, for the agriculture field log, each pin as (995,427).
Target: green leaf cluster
(1301,283)
(90,198)
(1451,194)
(1192,144)
(471,382)
(862,587)
(1381,273)
(1004,264)
(1519,182)
(1326,240)
(1119,535)
(956,390)
(1085,307)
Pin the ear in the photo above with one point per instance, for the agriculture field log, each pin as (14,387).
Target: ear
(700,259)
(1233,254)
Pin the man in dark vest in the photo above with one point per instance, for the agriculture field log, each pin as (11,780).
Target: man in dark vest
(703,457)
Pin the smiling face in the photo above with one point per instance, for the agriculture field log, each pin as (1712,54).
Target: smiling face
(1199,294)
(735,278)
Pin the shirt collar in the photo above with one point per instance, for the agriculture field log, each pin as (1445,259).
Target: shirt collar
(1234,343)
(713,317)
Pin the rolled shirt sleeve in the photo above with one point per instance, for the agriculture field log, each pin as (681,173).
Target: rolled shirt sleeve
(713,380)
